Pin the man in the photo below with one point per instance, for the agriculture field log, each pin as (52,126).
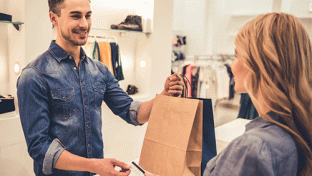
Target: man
(60,96)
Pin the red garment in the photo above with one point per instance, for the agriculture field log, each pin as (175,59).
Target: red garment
(188,75)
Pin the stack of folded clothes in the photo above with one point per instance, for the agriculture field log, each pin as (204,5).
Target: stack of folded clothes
(6,104)
(5,17)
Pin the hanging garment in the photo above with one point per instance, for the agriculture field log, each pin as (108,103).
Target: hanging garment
(231,83)
(96,52)
(223,81)
(183,71)
(247,109)
(207,78)
(208,81)
(188,74)
(195,84)
(116,62)
(199,88)
(106,55)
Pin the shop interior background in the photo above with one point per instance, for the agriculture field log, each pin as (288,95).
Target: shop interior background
(209,26)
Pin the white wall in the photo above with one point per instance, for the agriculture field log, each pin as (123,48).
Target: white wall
(161,44)
(38,28)
(190,20)
(16,46)
(16,42)
(297,8)
(14,159)
(4,58)
(4,55)
(226,17)
(212,29)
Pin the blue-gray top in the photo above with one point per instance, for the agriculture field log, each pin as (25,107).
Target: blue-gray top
(264,149)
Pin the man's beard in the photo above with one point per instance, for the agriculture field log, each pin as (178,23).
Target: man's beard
(74,42)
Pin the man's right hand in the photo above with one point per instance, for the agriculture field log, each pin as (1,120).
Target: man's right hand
(106,167)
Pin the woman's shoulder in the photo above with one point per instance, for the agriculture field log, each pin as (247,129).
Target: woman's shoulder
(264,149)
(272,135)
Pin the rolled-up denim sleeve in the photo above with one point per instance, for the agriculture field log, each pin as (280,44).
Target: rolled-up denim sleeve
(134,109)
(33,102)
(52,155)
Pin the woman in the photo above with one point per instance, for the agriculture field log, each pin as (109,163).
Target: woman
(273,66)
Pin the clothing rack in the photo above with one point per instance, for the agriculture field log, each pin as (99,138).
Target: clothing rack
(219,57)
(204,60)
(219,63)
(104,37)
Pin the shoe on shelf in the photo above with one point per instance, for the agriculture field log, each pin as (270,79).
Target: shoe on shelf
(132,23)
(125,21)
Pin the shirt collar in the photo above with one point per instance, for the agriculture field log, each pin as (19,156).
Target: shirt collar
(259,122)
(60,54)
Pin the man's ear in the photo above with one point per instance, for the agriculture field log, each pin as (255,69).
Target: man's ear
(53,18)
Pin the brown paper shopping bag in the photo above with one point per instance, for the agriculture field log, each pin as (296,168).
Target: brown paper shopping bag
(173,141)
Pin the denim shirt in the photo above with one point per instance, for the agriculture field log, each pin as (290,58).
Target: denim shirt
(265,149)
(60,107)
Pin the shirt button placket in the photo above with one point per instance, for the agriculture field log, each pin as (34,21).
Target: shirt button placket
(86,112)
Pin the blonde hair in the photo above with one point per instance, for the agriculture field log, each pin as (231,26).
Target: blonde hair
(277,52)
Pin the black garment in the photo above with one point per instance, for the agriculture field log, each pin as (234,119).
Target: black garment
(185,81)
(116,62)
(195,83)
(247,110)
(232,83)
(6,104)
(96,51)
(178,56)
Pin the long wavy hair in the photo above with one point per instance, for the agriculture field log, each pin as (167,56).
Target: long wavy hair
(277,51)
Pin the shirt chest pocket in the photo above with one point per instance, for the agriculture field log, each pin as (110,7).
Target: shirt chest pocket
(99,91)
(64,103)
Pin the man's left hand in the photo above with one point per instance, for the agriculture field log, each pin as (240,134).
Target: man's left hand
(173,85)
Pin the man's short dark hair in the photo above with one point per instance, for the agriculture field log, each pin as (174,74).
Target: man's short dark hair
(55,6)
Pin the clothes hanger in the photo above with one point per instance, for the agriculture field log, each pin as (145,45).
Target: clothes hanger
(107,39)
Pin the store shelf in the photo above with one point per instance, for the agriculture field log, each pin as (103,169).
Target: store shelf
(15,24)
(121,31)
